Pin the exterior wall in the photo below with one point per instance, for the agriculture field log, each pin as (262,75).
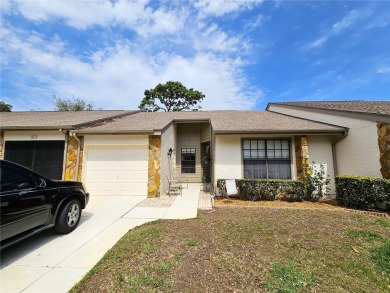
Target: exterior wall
(320,150)
(227,153)
(188,136)
(228,158)
(33,135)
(167,162)
(154,163)
(205,134)
(384,148)
(357,154)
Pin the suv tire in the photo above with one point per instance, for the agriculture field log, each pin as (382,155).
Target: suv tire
(68,217)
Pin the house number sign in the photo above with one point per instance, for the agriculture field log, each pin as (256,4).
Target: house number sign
(34,136)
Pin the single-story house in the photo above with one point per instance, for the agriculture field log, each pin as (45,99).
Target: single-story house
(365,150)
(135,153)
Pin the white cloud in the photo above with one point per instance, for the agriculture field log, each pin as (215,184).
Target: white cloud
(339,27)
(212,38)
(251,25)
(5,6)
(383,70)
(133,14)
(116,76)
(317,43)
(221,7)
(346,22)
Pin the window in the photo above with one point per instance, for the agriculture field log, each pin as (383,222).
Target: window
(12,179)
(267,159)
(188,156)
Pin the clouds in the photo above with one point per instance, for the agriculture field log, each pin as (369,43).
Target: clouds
(221,7)
(339,27)
(239,53)
(114,71)
(132,14)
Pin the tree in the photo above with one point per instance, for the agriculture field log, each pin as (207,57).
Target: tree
(74,104)
(171,96)
(4,107)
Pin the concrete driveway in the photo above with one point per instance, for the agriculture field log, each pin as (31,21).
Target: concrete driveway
(49,262)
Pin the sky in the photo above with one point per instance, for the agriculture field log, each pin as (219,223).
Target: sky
(242,54)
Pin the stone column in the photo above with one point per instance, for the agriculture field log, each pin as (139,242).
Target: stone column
(301,155)
(384,148)
(71,159)
(154,165)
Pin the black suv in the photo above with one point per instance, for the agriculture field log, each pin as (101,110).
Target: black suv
(31,203)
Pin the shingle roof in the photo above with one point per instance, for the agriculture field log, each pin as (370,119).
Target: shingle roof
(221,121)
(363,107)
(54,120)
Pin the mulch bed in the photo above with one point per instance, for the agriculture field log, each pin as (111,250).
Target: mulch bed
(323,203)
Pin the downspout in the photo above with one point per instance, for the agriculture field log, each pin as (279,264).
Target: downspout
(78,154)
(335,168)
(66,133)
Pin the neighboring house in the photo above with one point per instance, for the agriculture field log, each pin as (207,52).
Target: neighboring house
(135,153)
(43,141)
(365,150)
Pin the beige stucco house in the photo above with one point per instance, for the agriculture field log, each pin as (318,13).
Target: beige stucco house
(365,148)
(136,153)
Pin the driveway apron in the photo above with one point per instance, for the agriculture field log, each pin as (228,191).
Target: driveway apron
(49,262)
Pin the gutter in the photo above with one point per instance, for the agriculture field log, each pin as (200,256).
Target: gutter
(280,132)
(335,168)
(78,153)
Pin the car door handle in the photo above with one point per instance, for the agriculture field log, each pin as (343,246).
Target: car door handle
(23,192)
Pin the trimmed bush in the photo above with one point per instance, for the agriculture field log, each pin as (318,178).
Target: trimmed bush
(362,192)
(262,189)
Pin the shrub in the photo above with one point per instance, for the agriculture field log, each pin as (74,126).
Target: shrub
(362,192)
(262,189)
(316,182)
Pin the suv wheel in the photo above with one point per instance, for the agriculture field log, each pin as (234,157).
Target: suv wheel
(69,217)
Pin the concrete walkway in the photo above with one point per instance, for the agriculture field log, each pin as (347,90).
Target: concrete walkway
(49,262)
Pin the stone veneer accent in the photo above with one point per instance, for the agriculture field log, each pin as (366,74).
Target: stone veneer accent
(71,159)
(154,165)
(301,155)
(384,148)
(1,144)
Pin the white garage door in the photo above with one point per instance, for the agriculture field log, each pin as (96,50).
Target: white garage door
(117,170)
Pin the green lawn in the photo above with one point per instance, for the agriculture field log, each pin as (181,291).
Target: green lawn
(249,250)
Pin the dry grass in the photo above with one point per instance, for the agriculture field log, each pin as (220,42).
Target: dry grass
(238,249)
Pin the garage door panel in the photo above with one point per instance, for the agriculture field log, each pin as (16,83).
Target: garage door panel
(117,170)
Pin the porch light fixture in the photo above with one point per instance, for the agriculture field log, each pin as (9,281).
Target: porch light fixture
(170,152)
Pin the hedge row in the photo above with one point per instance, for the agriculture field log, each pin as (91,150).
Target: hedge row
(262,189)
(362,192)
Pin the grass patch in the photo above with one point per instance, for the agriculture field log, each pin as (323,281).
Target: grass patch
(286,278)
(383,223)
(369,235)
(192,243)
(248,250)
(381,256)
